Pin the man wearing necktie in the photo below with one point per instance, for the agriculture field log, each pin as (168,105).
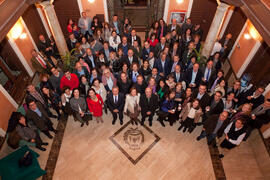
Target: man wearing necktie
(208,72)
(40,64)
(115,102)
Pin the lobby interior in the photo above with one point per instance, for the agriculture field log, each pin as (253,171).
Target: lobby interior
(100,150)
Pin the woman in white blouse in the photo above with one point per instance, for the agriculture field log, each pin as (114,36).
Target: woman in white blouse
(114,40)
(85,45)
(190,115)
(65,97)
(132,108)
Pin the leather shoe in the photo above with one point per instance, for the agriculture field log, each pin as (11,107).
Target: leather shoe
(198,138)
(45,143)
(42,148)
(87,123)
(82,124)
(121,122)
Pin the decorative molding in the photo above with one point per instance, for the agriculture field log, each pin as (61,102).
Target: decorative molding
(29,34)
(7,95)
(80,6)
(44,22)
(105,10)
(166,9)
(249,58)
(21,57)
(226,22)
(237,40)
(190,4)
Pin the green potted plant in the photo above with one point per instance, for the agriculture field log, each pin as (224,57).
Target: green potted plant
(69,60)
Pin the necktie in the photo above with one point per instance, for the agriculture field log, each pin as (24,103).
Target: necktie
(177,77)
(207,76)
(115,99)
(214,85)
(41,62)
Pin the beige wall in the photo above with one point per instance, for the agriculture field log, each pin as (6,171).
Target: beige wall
(97,7)
(176,7)
(25,45)
(6,108)
(241,52)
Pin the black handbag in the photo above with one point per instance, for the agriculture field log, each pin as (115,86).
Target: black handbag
(26,160)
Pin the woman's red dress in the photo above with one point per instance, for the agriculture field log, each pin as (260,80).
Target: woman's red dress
(95,107)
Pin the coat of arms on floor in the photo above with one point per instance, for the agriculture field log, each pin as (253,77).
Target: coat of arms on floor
(134,141)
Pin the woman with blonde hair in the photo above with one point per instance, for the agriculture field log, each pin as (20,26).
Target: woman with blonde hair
(108,79)
(132,108)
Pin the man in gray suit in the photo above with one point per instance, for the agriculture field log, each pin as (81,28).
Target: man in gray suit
(85,25)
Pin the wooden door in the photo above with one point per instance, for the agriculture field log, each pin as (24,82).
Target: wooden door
(203,12)
(236,24)
(259,67)
(34,23)
(66,9)
(13,75)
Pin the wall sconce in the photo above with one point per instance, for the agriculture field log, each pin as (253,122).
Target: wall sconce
(16,31)
(91,1)
(179,1)
(254,33)
(247,36)
(23,36)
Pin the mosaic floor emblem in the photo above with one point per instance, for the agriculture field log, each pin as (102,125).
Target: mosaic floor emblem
(134,141)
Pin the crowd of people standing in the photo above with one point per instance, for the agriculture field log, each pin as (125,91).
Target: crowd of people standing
(117,71)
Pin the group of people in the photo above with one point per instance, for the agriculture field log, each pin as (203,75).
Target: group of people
(115,71)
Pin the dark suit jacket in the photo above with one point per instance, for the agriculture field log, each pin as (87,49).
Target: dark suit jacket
(186,57)
(71,45)
(124,87)
(178,29)
(204,101)
(164,31)
(158,49)
(110,50)
(39,122)
(256,102)
(211,75)
(126,60)
(145,53)
(42,47)
(211,123)
(137,39)
(86,73)
(182,77)
(218,108)
(29,96)
(167,66)
(120,103)
(89,62)
(189,77)
(146,106)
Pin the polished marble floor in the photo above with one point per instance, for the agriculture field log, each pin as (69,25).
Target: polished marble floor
(89,152)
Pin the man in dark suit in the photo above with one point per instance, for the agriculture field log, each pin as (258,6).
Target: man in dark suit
(90,59)
(35,94)
(213,126)
(253,96)
(176,61)
(155,75)
(140,85)
(174,26)
(46,47)
(116,102)
(148,104)
(186,25)
(124,45)
(37,116)
(193,76)
(106,49)
(208,72)
(133,37)
(116,25)
(124,83)
(163,65)
(71,42)
(40,63)
(216,105)
(187,54)
(130,58)
(201,94)
(146,50)
(227,45)
(178,75)
(160,47)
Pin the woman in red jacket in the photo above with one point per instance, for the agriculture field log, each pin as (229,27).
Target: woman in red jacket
(95,104)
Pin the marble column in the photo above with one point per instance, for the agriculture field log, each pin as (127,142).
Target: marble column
(55,27)
(214,29)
